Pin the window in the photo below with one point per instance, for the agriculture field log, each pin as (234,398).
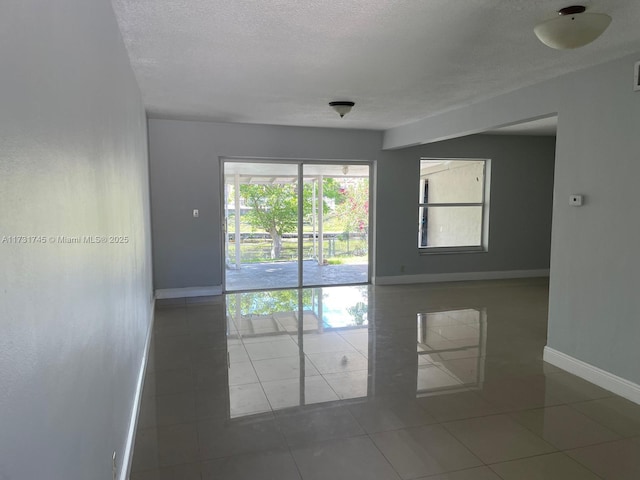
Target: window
(452,213)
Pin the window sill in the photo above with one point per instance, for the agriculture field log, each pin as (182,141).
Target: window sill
(451,250)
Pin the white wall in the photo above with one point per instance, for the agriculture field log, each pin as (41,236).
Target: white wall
(74,317)
(594,311)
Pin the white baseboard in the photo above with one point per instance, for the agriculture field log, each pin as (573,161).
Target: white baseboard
(595,375)
(188,292)
(127,456)
(458,277)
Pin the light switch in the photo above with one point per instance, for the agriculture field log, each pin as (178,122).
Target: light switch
(196,213)
(575,200)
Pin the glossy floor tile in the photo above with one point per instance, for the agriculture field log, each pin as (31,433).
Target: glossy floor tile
(564,428)
(383,415)
(250,435)
(618,460)
(420,451)
(441,382)
(277,465)
(479,473)
(308,426)
(458,405)
(345,459)
(618,414)
(555,466)
(190,471)
(498,438)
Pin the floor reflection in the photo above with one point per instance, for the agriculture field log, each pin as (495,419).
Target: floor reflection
(451,349)
(290,348)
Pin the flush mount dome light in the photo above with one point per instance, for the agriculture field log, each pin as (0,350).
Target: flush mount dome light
(342,107)
(573,28)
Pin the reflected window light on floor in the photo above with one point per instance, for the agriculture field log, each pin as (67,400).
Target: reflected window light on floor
(300,347)
(451,346)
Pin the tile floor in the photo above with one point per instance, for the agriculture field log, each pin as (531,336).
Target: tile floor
(440,382)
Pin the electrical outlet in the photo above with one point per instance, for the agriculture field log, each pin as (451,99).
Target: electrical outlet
(114,467)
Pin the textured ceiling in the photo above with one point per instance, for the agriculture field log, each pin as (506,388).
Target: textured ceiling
(282,61)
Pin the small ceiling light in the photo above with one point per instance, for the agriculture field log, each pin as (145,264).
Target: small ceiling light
(342,107)
(573,28)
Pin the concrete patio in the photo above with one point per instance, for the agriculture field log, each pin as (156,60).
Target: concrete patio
(268,275)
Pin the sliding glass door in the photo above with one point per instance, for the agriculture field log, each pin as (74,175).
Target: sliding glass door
(336,226)
(261,222)
(297,223)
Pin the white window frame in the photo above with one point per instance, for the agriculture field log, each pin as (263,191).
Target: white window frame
(484,241)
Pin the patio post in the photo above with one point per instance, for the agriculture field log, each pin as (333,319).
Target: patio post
(320,221)
(226,221)
(237,205)
(313,219)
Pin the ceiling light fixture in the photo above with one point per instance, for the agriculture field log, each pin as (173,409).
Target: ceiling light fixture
(342,107)
(573,28)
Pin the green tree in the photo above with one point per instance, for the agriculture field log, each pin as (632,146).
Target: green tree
(359,313)
(274,209)
(331,189)
(268,303)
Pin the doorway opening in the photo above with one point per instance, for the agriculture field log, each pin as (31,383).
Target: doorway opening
(291,224)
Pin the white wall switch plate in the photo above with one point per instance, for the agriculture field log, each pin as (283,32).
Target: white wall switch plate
(196,213)
(575,200)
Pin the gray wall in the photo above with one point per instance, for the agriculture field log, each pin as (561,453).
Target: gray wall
(74,317)
(520,206)
(185,174)
(594,305)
